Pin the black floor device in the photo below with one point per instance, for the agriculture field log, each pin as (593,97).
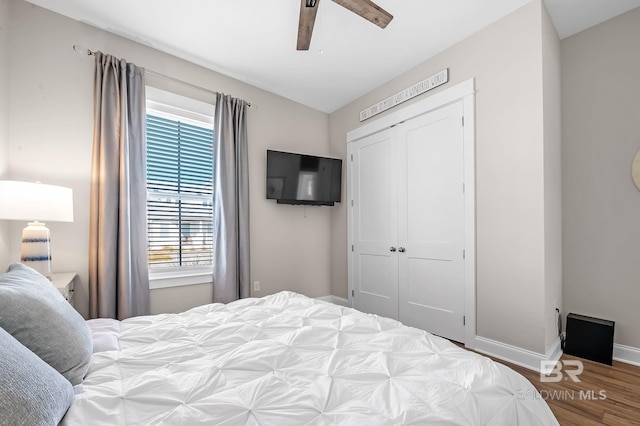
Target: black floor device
(590,338)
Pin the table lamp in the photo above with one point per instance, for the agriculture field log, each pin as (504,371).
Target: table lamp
(35,202)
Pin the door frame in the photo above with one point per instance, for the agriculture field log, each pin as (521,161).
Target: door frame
(465,92)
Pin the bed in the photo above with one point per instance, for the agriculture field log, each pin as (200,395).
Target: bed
(286,359)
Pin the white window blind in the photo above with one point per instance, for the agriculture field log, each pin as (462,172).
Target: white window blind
(179,193)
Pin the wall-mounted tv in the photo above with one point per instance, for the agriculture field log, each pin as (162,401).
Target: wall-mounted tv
(303,179)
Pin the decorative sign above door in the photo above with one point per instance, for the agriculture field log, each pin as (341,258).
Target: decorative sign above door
(419,88)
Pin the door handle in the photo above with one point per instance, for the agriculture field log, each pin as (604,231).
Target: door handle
(401,249)
(393,249)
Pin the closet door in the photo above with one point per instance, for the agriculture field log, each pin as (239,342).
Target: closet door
(431,222)
(374,224)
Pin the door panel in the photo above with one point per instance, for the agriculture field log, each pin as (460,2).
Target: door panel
(407,186)
(374,228)
(431,222)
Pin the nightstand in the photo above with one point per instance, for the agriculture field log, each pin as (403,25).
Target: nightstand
(64,283)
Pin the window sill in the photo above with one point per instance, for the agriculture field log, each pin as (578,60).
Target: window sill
(178,279)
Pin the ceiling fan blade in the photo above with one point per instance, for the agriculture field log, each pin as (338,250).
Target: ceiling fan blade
(368,10)
(308,10)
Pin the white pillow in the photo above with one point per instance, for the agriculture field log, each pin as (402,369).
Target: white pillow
(105,332)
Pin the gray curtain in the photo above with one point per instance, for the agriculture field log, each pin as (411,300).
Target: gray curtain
(118,270)
(231,201)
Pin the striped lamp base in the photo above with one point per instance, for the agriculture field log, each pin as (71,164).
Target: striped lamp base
(35,250)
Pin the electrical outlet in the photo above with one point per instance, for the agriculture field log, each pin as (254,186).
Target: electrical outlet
(256,286)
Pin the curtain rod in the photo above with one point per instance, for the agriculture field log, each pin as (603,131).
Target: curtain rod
(83,50)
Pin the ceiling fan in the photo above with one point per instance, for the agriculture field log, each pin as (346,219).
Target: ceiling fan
(365,8)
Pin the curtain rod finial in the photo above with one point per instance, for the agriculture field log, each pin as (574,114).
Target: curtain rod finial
(81,49)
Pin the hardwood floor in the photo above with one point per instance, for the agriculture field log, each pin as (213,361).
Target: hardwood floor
(605,395)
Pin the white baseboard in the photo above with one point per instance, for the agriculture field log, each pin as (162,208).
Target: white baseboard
(335,300)
(518,356)
(532,360)
(554,352)
(627,354)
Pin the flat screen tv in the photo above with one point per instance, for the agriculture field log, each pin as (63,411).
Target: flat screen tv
(303,179)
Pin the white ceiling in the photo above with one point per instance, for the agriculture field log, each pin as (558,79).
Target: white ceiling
(254,40)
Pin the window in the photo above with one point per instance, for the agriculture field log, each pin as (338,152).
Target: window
(179,193)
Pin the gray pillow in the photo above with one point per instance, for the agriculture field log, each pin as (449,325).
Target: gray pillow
(31,392)
(34,312)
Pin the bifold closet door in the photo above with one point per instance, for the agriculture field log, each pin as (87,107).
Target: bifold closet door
(374,224)
(431,222)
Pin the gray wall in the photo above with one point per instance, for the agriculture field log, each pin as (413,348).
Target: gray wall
(51,102)
(552,133)
(4,122)
(601,206)
(514,63)
(514,248)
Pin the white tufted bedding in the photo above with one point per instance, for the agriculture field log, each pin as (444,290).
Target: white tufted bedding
(287,359)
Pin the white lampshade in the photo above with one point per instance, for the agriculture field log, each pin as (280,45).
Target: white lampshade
(35,201)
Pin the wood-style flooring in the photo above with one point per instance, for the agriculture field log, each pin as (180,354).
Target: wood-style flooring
(605,395)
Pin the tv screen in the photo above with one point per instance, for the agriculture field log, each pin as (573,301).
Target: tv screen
(303,179)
